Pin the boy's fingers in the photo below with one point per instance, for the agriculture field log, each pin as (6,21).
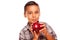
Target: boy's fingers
(31,30)
(39,31)
(42,29)
(34,32)
(42,25)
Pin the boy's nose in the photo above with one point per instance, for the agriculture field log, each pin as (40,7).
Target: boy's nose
(33,15)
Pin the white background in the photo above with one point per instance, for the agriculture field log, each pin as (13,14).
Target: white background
(12,18)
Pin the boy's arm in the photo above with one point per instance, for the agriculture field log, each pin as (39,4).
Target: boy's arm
(48,36)
(49,33)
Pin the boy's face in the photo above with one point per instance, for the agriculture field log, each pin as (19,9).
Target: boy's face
(32,13)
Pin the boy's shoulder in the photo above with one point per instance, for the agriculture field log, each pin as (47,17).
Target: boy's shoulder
(24,29)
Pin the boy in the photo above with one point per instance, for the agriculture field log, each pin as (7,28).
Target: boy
(32,13)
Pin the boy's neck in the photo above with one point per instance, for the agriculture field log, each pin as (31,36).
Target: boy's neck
(30,23)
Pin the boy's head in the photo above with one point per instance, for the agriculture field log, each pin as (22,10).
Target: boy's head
(32,11)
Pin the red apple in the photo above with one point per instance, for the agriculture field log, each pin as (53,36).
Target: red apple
(37,26)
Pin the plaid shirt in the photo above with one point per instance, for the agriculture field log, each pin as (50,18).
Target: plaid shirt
(25,33)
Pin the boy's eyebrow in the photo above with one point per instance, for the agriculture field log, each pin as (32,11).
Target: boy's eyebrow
(30,11)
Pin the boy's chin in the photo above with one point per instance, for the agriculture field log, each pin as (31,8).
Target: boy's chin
(33,22)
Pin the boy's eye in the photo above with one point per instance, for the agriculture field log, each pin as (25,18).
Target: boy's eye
(36,12)
(30,13)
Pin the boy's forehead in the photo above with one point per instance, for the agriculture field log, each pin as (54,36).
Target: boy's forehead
(32,7)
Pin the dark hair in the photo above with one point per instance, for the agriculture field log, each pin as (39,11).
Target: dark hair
(29,4)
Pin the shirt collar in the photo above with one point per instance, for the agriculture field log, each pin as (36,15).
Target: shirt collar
(28,26)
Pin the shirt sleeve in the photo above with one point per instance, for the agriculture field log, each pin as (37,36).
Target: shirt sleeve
(50,30)
(21,35)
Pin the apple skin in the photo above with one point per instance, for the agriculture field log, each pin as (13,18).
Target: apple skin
(37,26)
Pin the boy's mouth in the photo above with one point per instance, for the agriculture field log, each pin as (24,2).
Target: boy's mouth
(34,20)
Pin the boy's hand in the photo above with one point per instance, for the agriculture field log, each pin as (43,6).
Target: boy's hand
(45,32)
(36,35)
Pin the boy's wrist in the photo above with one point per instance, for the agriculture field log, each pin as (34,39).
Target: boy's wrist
(49,37)
(35,38)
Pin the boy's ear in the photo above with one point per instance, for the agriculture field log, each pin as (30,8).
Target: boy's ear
(24,14)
